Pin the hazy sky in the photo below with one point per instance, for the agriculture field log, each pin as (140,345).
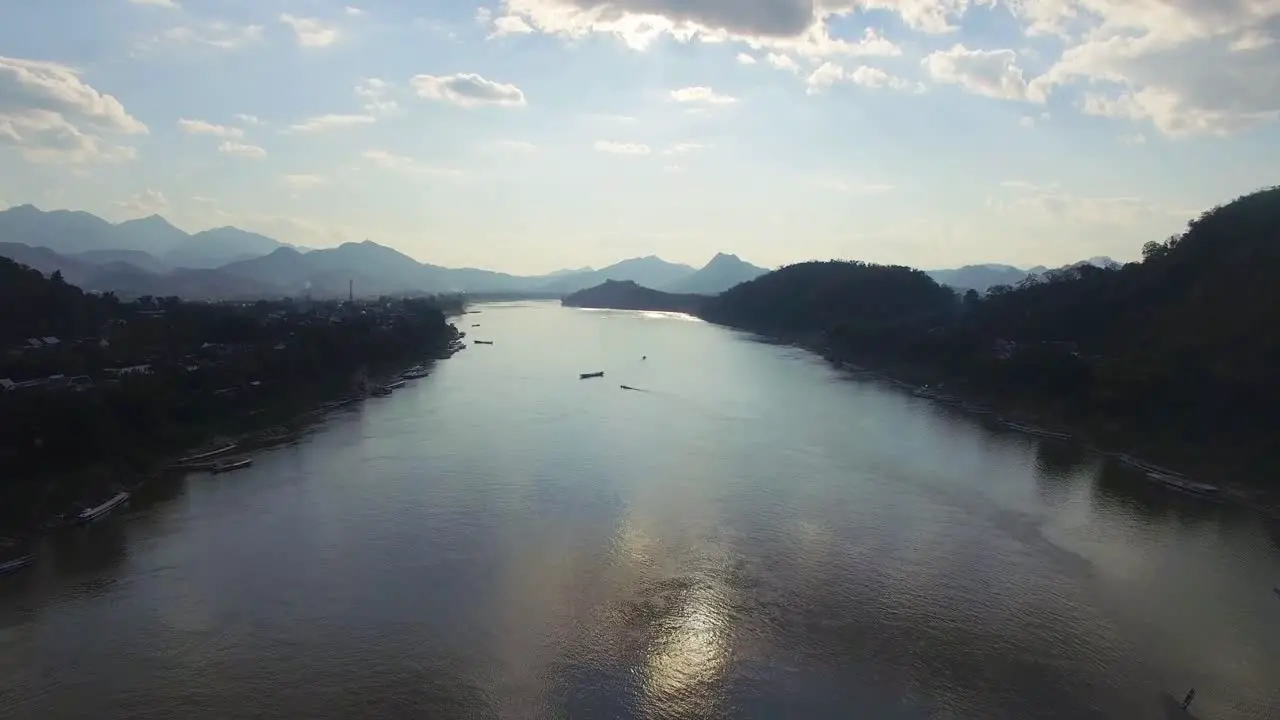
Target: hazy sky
(528,135)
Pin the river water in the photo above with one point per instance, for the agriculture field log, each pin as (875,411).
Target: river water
(749,535)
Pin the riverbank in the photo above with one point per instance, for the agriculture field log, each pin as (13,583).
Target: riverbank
(1216,466)
(238,437)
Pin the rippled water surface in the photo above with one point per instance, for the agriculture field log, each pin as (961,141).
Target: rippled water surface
(749,535)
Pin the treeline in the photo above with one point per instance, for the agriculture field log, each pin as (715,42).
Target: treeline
(1176,352)
(135,382)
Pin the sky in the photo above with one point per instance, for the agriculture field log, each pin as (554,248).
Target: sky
(532,135)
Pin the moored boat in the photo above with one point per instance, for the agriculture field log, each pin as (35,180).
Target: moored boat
(394,385)
(585,376)
(380,392)
(1174,482)
(1032,430)
(97,512)
(235,465)
(206,455)
(483,342)
(16,563)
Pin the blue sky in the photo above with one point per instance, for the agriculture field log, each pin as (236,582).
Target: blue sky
(529,135)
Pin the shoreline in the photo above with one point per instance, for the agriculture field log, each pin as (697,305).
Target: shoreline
(1263,501)
(164,466)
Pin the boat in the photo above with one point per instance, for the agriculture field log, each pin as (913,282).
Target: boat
(483,342)
(1148,467)
(1032,430)
(97,512)
(206,455)
(196,466)
(587,376)
(1201,490)
(394,385)
(626,387)
(16,564)
(235,465)
(414,374)
(380,392)
(476,325)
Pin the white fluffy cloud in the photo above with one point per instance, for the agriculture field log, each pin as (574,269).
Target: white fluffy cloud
(374,92)
(702,96)
(50,114)
(329,122)
(200,127)
(467,90)
(241,150)
(310,32)
(993,73)
(798,26)
(617,148)
(170,4)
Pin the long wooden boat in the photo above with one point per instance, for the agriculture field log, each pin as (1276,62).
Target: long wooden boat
(100,511)
(587,376)
(237,465)
(206,455)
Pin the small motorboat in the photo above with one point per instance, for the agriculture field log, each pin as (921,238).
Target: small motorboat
(206,455)
(236,465)
(587,376)
(627,387)
(394,385)
(484,342)
(476,325)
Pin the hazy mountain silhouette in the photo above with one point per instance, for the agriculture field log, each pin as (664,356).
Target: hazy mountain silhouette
(152,234)
(220,246)
(986,276)
(137,258)
(650,271)
(721,273)
(63,231)
(627,295)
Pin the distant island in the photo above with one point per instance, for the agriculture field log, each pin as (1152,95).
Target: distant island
(627,295)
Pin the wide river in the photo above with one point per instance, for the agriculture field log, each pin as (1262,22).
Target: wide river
(749,535)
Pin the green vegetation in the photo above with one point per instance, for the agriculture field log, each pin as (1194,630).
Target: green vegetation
(1174,355)
(97,391)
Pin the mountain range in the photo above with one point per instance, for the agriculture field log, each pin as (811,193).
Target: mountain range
(984,277)
(150,256)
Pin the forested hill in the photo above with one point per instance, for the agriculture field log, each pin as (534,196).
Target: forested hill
(817,297)
(36,306)
(1181,346)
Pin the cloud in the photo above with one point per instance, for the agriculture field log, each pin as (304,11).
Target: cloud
(170,4)
(310,32)
(303,181)
(327,122)
(467,90)
(353,11)
(829,73)
(746,59)
(799,26)
(200,127)
(1188,67)
(51,115)
(783,62)
(991,73)
(390,161)
(241,150)
(616,148)
(218,35)
(248,119)
(1052,203)
(502,25)
(374,93)
(683,148)
(701,95)
(147,202)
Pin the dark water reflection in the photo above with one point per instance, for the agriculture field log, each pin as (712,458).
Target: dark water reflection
(751,536)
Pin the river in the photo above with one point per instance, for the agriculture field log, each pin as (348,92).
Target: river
(751,534)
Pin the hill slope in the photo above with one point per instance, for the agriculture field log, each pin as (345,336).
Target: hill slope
(721,273)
